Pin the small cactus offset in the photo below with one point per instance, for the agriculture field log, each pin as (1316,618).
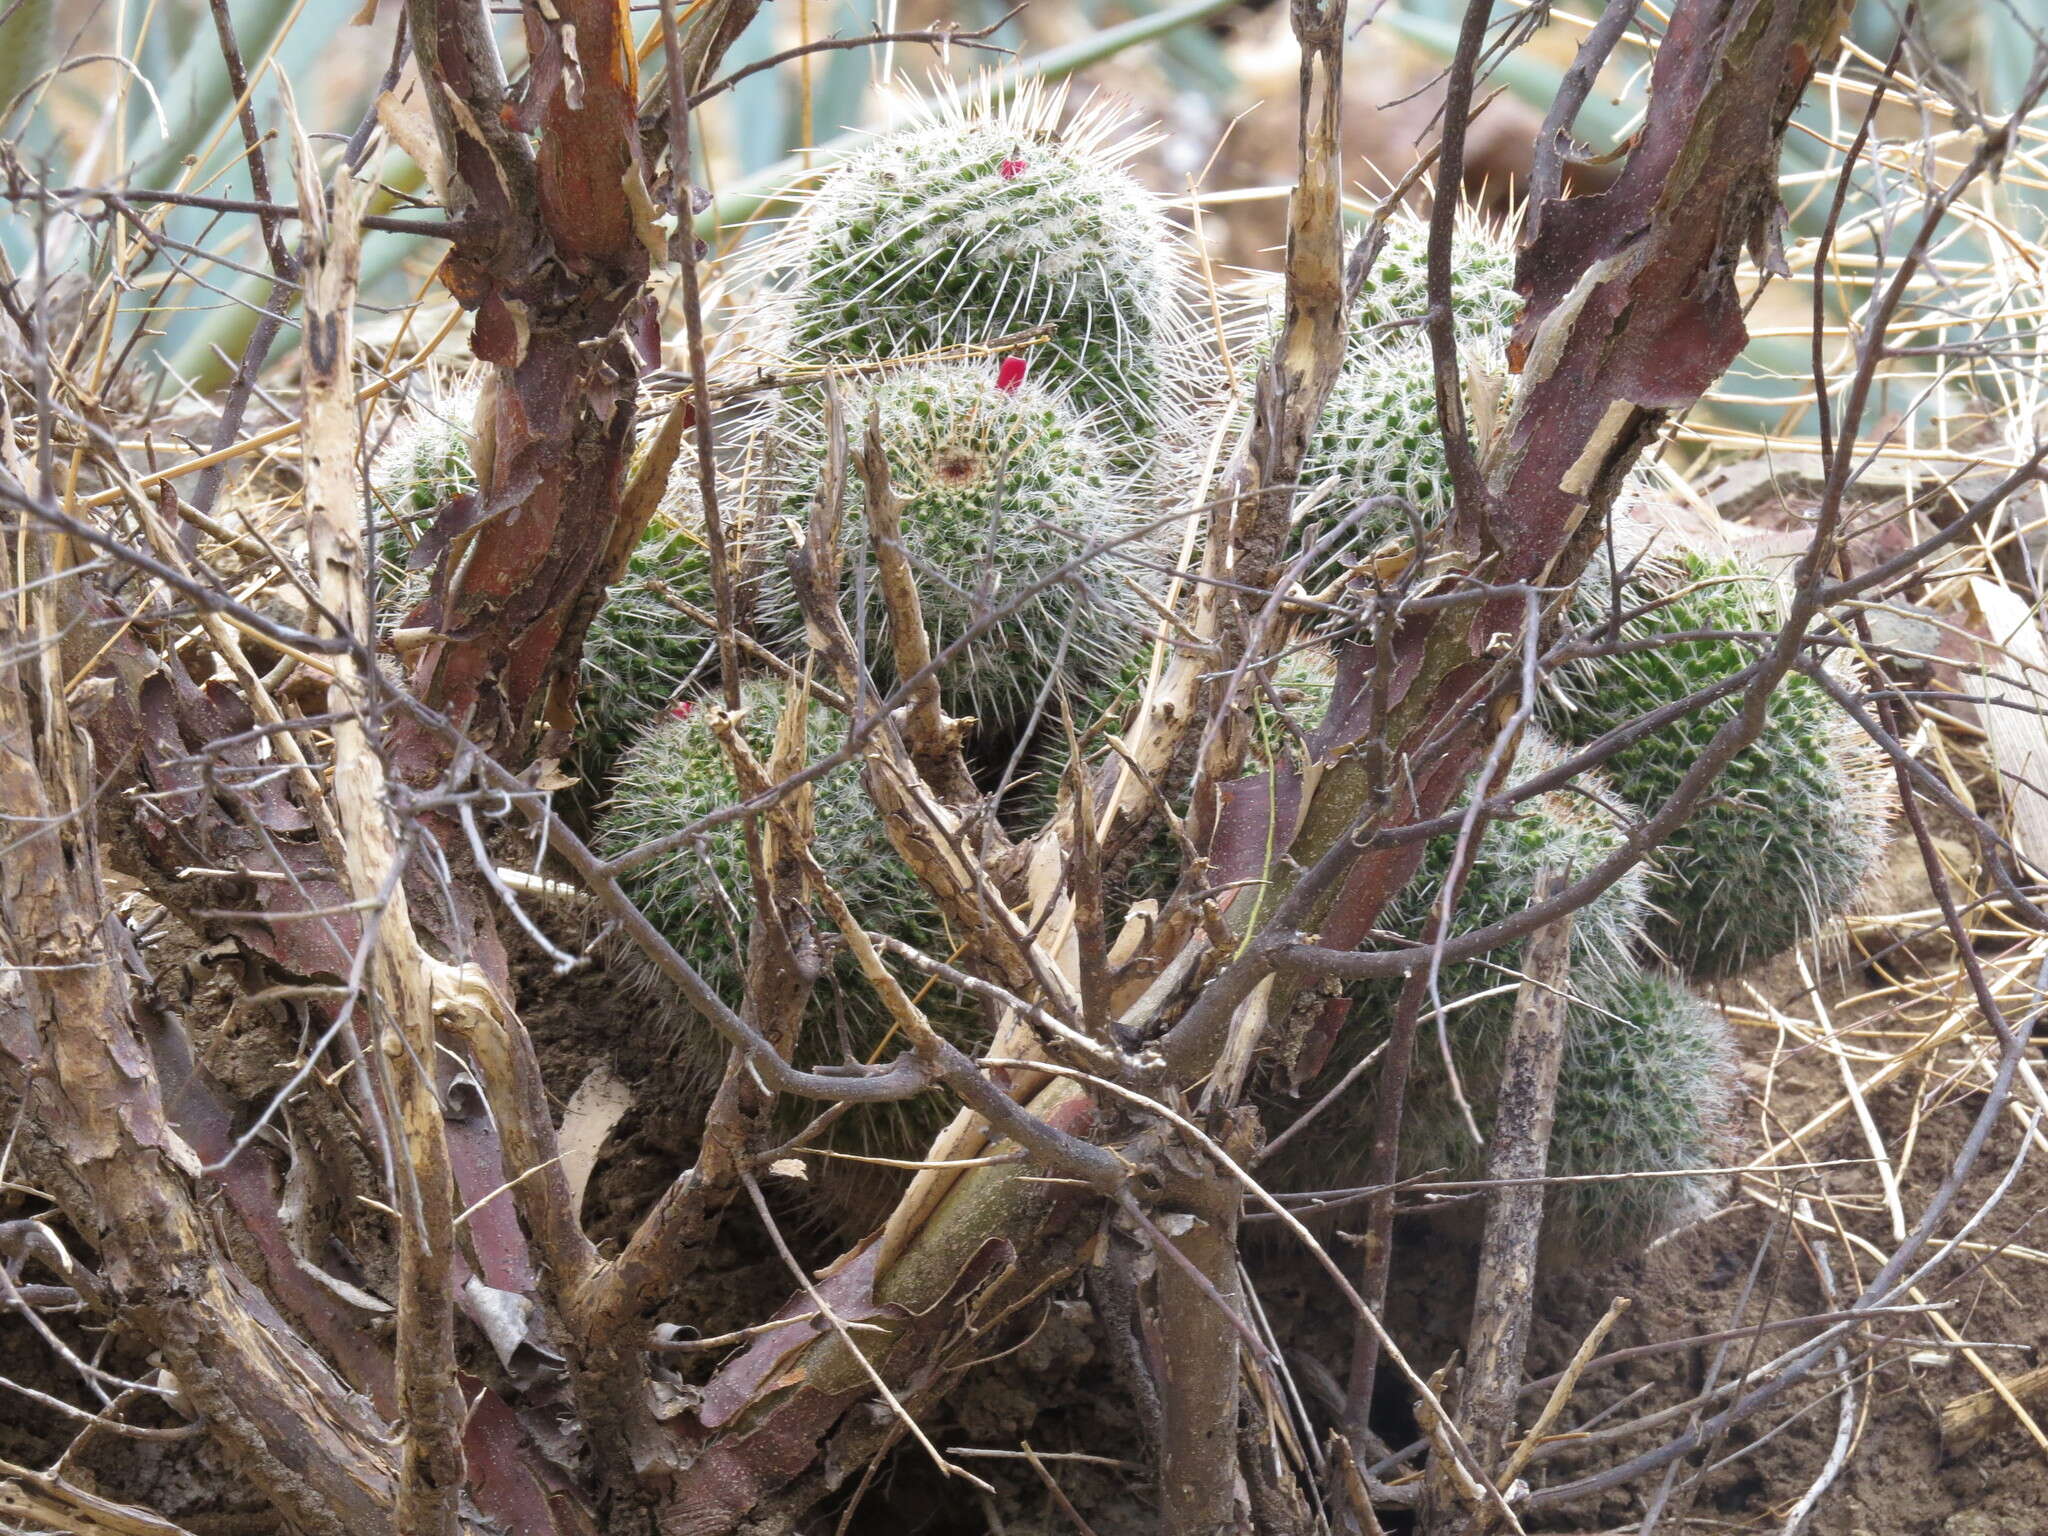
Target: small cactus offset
(1377,460)
(1003,494)
(1646,1086)
(1791,832)
(989,219)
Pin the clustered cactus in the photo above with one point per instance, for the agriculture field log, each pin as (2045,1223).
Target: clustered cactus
(1784,846)
(1012,472)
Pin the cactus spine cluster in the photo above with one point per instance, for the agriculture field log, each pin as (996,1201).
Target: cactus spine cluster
(1003,491)
(1393,298)
(1791,831)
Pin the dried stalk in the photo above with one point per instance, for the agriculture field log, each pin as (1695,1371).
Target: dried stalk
(398,987)
(1524,1111)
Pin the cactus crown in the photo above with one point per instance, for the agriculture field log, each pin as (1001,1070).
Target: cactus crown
(993,218)
(1001,489)
(1790,833)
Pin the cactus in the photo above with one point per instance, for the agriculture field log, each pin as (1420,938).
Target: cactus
(1569,828)
(1788,836)
(642,650)
(1646,1085)
(1484,303)
(1378,439)
(424,462)
(991,218)
(1565,828)
(1648,1075)
(700,897)
(1000,487)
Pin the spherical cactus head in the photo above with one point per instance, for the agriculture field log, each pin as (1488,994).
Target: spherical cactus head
(1484,304)
(1375,476)
(1005,501)
(1646,1086)
(700,895)
(989,218)
(1795,827)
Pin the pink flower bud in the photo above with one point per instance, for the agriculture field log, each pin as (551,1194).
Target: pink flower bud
(1011,374)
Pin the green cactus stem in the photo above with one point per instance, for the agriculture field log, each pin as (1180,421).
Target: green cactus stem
(1792,831)
(1002,494)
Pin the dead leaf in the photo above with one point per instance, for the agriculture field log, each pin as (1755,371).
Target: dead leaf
(598,1104)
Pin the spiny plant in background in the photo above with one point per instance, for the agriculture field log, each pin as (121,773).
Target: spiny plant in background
(1002,489)
(989,218)
(1647,1085)
(1791,832)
